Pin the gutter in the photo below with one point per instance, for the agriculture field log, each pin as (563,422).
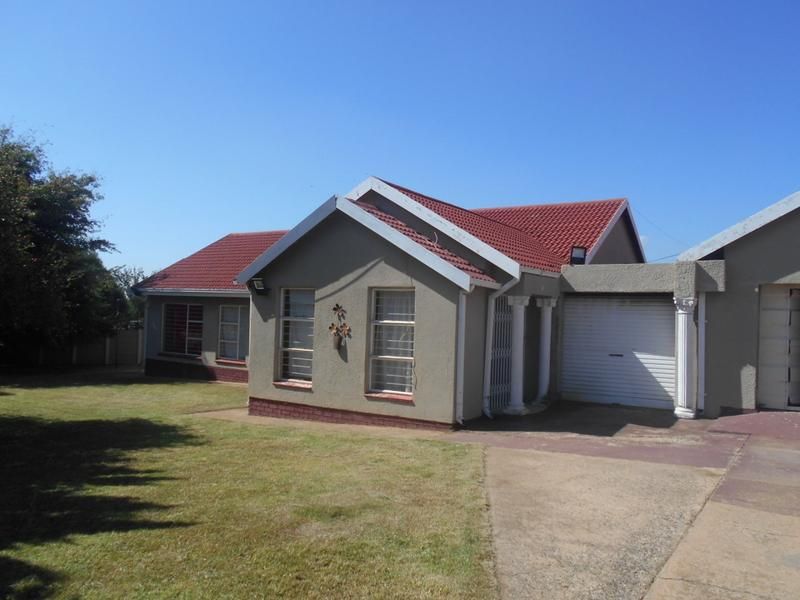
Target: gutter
(205,293)
(487,356)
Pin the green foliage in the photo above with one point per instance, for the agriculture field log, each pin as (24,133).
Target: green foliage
(53,286)
(127,277)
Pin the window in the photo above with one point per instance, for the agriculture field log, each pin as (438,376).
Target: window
(577,255)
(233,330)
(392,356)
(183,329)
(297,334)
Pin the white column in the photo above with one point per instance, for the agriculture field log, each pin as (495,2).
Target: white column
(518,306)
(685,357)
(545,343)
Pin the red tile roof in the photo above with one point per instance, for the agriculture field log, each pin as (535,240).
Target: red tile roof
(426,242)
(537,236)
(215,266)
(559,226)
(514,243)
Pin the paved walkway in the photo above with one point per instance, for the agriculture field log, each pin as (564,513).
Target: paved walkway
(745,543)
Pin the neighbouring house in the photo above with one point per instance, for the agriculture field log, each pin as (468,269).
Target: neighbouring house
(387,306)
(750,351)
(197,318)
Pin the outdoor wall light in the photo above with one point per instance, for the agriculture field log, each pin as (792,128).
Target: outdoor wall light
(577,256)
(257,285)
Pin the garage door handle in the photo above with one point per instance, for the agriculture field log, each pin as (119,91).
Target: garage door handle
(617,355)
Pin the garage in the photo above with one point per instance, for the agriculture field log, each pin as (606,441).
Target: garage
(619,349)
(778,384)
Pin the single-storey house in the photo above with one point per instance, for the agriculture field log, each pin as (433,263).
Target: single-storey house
(388,306)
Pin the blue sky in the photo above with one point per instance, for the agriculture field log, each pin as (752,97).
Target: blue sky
(207,118)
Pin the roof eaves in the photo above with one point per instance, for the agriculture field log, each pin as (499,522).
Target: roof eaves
(743,228)
(478,282)
(542,272)
(208,292)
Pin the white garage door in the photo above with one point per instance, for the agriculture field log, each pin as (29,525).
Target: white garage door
(619,349)
(779,347)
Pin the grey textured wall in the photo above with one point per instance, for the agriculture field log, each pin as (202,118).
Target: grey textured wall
(769,255)
(618,247)
(474,352)
(342,261)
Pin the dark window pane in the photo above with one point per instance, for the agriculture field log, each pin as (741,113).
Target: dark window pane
(194,347)
(392,375)
(296,365)
(298,303)
(298,334)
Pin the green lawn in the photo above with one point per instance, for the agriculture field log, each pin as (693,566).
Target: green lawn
(109,488)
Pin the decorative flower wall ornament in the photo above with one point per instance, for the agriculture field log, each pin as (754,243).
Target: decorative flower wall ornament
(340,330)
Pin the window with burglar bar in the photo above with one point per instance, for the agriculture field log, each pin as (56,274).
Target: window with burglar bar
(233,332)
(183,329)
(392,352)
(297,334)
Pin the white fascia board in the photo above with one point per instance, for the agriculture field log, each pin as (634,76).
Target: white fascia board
(306,225)
(194,292)
(492,285)
(404,243)
(540,272)
(741,229)
(610,226)
(481,248)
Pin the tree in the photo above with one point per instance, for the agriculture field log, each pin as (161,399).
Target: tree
(53,285)
(126,278)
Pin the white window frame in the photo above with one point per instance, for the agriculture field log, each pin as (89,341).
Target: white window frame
(373,357)
(238,324)
(188,321)
(281,320)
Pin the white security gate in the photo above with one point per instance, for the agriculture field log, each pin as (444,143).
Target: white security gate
(500,386)
(619,349)
(779,347)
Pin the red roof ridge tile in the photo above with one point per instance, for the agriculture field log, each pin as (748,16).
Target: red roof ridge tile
(283,231)
(619,200)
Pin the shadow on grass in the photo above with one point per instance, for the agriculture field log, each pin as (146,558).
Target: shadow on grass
(69,377)
(55,480)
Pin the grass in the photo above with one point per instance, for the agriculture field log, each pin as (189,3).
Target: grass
(109,487)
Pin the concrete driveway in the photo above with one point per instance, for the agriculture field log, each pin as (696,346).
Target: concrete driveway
(611,502)
(746,541)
